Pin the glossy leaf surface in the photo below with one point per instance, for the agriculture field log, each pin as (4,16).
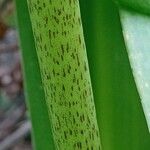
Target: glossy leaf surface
(120,116)
(136,29)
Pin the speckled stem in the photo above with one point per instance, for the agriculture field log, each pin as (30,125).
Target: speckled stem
(63,62)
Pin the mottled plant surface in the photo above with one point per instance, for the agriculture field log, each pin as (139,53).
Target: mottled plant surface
(62,57)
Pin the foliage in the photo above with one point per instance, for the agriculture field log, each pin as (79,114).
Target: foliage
(119,112)
(41,130)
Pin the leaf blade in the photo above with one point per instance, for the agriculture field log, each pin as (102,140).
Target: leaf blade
(119,112)
(41,134)
(137,34)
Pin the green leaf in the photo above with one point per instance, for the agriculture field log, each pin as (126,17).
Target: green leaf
(136,29)
(142,6)
(119,112)
(41,127)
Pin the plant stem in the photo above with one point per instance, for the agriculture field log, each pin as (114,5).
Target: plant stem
(64,68)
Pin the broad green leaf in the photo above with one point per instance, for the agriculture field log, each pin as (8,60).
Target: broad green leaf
(142,6)
(119,112)
(136,29)
(41,127)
